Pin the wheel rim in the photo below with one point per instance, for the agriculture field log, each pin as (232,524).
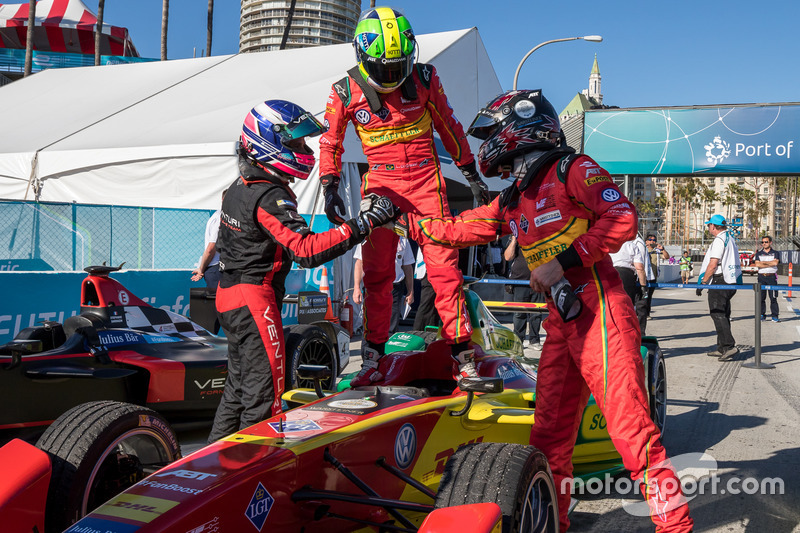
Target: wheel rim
(315,352)
(133,456)
(660,396)
(539,513)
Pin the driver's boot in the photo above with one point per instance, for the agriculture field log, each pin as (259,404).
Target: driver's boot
(370,358)
(466,364)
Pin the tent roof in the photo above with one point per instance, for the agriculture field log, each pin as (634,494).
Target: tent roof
(98,119)
(76,22)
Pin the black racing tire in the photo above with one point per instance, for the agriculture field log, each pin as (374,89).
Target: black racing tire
(657,387)
(99,449)
(514,476)
(307,344)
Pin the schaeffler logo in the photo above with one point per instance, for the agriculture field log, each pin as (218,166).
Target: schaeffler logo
(717,151)
(695,474)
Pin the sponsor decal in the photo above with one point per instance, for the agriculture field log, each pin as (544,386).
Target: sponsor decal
(286,203)
(135,507)
(327,126)
(259,507)
(610,195)
(186,474)
(341,91)
(169,486)
(90,524)
(514,228)
(212,526)
(597,179)
(525,109)
(389,167)
(383,113)
(394,135)
(294,426)
(405,446)
(152,338)
(330,110)
(211,387)
(412,108)
(508,372)
(579,288)
(124,298)
(546,203)
(111,339)
(355,403)
(534,257)
(165,328)
(552,216)
(523,223)
(153,422)
(275,338)
(717,151)
(442,457)
(363,116)
(426,73)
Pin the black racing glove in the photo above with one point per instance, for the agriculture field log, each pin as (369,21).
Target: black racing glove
(479,189)
(699,292)
(375,211)
(334,206)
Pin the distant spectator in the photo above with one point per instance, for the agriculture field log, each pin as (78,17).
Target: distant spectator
(685,263)
(767,262)
(721,266)
(518,269)
(655,251)
(208,267)
(632,263)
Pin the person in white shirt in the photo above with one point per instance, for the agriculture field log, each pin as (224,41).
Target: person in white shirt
(632,263)
(208,266)
(767,262)
(721,266)
(403,288)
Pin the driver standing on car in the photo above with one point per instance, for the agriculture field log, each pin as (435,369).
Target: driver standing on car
(567,215)
(394,105)
(260,235)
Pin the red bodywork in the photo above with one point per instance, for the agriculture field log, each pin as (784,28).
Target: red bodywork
(23,492)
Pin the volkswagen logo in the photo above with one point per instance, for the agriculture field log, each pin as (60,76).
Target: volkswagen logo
(405,446)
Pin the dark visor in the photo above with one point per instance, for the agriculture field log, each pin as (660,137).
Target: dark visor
(303,126)
(483,124)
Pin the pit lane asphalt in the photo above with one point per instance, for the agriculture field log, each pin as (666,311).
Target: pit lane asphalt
(746,420)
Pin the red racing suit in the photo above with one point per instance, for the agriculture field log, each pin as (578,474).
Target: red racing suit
(398,141)
(580,216)
(260,235)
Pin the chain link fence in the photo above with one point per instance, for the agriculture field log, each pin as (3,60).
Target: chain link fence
(43,236)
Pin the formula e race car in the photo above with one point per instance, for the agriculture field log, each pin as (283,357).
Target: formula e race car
(120,348)
(389,457)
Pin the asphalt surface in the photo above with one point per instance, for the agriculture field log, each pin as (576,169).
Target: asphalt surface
(746,421)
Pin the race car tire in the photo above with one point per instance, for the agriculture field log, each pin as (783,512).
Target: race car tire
(307,344)
(514,476)
(657,387)
(97,450)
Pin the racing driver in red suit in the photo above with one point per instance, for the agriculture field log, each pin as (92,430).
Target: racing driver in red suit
(260,235)
(568,215)
(394,105)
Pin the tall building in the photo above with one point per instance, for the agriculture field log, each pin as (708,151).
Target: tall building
(313,23)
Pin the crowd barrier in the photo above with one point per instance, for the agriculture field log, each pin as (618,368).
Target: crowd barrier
(755,287)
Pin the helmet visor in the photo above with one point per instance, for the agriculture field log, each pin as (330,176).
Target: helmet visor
(303,126)
(484,124)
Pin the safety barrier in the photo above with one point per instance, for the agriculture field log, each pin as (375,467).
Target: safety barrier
(755,287)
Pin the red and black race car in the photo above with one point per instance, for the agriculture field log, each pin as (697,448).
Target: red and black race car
(120,348)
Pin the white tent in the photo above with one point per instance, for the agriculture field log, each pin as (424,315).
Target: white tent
(162,134)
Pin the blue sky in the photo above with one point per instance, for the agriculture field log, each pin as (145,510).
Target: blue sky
(653,54)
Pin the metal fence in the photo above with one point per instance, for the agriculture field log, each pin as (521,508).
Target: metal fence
(37,236)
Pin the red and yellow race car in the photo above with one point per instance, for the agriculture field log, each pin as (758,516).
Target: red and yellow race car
(379,458)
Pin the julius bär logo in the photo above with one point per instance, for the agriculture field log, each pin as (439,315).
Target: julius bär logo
(717,151)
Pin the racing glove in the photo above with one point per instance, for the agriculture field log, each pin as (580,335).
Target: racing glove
(479,189)
(375,211)
(699,292)
(334,206)
(643,292)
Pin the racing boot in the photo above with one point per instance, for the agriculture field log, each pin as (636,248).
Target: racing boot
(466,365)
(370,360)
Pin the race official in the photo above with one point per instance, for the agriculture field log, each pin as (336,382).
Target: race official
(767,262)
(721,266)
(395,105)
(568,215)
(631,263)
(261,234)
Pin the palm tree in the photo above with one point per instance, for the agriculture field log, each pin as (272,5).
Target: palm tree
(29,37)
(210,27)
(164,25)
(98,33)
